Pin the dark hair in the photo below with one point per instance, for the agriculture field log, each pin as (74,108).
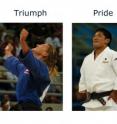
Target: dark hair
(106,33)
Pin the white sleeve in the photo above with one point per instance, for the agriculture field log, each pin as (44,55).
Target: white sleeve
(82,85)
(114,67)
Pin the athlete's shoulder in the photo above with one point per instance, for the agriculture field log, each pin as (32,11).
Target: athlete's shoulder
(89,56)
(112,53)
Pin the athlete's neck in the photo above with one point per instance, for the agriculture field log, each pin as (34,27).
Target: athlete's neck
(97,51)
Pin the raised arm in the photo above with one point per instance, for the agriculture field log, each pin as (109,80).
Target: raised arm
(23,37)
(36,66)
(11,62)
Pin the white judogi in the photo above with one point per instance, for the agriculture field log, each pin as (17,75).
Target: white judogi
(99,75)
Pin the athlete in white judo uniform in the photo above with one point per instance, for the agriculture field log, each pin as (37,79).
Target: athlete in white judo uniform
(99,75)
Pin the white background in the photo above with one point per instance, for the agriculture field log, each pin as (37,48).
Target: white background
(67,12)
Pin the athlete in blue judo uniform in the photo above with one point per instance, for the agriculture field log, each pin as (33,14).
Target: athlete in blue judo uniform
(33,69)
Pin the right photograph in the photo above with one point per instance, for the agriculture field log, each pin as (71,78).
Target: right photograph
(94,66)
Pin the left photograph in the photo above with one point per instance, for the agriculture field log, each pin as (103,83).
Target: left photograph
(31,66)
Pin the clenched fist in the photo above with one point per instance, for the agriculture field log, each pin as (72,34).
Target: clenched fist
(82,96)
(23,35)
(113,96)
(9,50)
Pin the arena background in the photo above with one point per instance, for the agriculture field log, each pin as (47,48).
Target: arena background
(38,33)
(81,46)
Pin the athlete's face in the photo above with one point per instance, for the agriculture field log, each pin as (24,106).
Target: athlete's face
(41,51)
(99,40)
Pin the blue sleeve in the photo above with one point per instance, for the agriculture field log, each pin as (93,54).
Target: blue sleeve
(36,66)
(14,65)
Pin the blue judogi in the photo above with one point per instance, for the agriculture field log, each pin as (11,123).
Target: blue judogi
(33,77)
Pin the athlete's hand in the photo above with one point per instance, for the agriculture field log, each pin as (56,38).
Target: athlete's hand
(113,96)
(23,35)
(82,96)
(8,50)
